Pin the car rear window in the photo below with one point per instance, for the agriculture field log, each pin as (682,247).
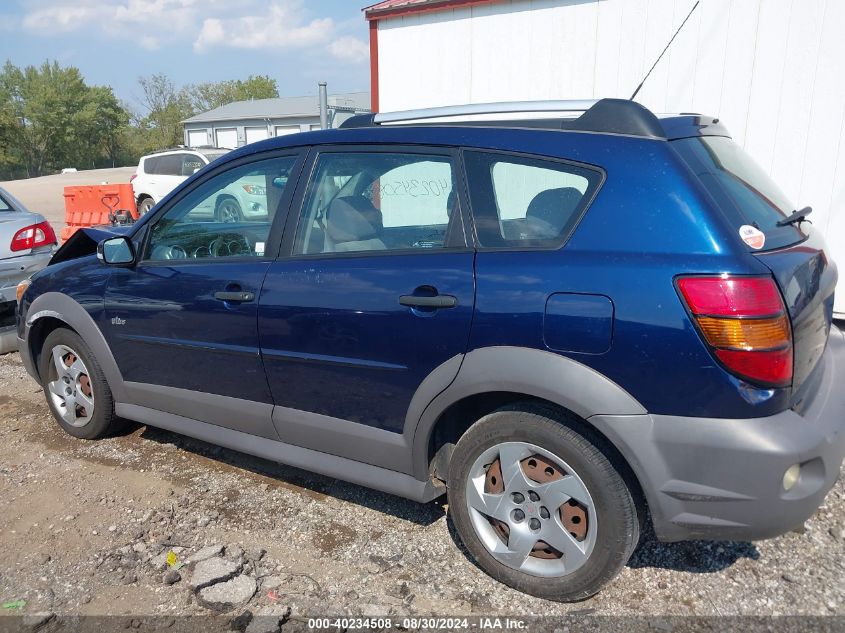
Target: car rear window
(523,202)
(744,192)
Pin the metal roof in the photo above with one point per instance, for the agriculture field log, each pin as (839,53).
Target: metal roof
(280,108)
(392,8)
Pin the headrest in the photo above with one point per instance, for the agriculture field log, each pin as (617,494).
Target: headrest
(352,219)
(554,206)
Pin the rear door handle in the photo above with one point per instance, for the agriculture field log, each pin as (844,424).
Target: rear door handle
(234,296)
(439,301)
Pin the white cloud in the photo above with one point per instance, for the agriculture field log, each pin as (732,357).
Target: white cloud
(137,20)
(284,26)
(207,24)
(350,49)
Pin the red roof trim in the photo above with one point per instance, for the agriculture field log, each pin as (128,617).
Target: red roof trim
(374,66)
(394,9)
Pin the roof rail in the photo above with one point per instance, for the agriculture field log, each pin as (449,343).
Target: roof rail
(611,116)
(504,107)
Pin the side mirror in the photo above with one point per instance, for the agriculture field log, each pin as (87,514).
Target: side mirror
(116,251)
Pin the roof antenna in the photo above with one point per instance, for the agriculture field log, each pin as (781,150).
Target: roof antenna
(694,7)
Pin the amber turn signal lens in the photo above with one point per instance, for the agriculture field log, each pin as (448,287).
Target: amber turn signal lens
(22,286)
(746,334)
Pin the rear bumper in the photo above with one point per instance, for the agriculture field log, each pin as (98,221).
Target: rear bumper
(722,479)
(15,269)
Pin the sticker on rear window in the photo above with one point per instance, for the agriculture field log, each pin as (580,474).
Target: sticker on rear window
(259,248)
(752,236)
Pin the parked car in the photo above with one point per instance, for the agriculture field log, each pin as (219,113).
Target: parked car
(574,327)
(161,172)
(27,242)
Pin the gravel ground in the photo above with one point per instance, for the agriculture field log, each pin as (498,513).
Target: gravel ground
(86,528)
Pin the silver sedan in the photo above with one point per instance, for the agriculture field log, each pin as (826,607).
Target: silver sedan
(27,242)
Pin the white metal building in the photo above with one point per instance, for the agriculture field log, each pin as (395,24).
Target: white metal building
(243,122)
(772,70)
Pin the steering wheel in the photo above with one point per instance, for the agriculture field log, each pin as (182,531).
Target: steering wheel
(229,245)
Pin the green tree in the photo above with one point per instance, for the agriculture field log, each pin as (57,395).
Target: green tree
(166,108)
(210,95)
(50,118)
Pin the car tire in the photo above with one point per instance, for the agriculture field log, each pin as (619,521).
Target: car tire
(228,210)
(144,206)
(84,377)
(542,453)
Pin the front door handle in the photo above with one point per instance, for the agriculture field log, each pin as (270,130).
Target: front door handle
(234,296)
(436,302)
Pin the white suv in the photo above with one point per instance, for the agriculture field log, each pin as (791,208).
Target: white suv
(160,173)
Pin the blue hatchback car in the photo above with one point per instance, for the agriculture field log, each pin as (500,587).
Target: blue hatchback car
(575,326)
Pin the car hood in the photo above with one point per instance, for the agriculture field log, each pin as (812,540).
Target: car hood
(84,241)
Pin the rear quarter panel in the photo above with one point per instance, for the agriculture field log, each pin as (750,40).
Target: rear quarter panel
(649,223)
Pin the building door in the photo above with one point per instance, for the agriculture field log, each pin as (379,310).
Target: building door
(255,134)
(197,138)
(284,130)
(227,137)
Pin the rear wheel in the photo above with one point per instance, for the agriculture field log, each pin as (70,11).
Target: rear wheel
(77,392)
(539,506)
(145,205)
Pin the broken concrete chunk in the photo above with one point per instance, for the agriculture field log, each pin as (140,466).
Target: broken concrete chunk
(271,582)
(264,624)
(213,570)
(228,595)
(36,621)
(204,554)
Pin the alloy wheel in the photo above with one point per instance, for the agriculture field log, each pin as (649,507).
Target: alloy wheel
(70,388)
(229,211)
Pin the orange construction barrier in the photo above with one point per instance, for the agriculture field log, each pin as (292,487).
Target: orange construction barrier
(93,205)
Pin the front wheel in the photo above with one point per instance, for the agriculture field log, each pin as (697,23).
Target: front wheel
(539,506)
(229,211)
(77,392)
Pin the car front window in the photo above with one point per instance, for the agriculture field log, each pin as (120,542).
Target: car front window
(227,216)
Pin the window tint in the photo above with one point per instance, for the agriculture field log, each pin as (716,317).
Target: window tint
(523,202)
(169,165)
(377,202)
(191,164)
(741,188)
(4,206)
(227,216)
(151,164)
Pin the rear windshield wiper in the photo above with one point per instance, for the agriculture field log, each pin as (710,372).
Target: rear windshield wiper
(797,216)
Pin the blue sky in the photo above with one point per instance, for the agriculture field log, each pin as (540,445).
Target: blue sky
(114,42)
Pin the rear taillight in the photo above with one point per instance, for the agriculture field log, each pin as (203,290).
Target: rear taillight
(132,177)
(32,236)
(744,321)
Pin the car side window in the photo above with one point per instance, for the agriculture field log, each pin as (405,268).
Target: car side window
(228,215)
(169,165)
(191,164)
(373,201)
(520,202)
